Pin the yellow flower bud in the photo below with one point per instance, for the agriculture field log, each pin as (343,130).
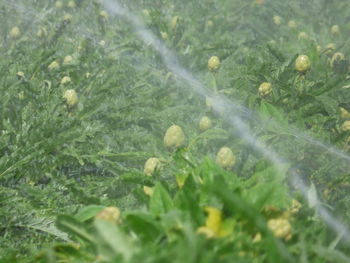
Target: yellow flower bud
(104,14)
(225,158)
(20,74)
(102,43)
(344,114)
(15,32)
(42,32)
(72,4)
(277,20)
(345,126)
(67,60)
(145,12)
(151,165)
(53,65)
(67,17)
(257,238)
(303,35)
(259,2)
(214,63)
(148,190)
(110,214)
(280,227)
(174,22)
(335,30)
(265,89)
(65,80)
(164,35)
(302,63)
(318,48)
(71,97)
(296,205)
(214,219)
(174,137)
(58,4)
(205,124)
(292,24)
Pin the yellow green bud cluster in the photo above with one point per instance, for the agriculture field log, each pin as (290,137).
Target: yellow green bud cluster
(214,63)
(225,158)
(174,137)
(205,124)
(280,227)
(265,89)
(71,97)
(302,63)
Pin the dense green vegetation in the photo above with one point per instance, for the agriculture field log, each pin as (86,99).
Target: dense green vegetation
(65,157)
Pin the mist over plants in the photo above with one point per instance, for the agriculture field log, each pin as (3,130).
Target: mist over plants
(174,131)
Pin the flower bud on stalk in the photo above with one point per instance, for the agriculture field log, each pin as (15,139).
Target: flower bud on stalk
(302,63)
(151,165)
(265,89)
(225,158)
(71,97)
(205,124)
(214,63)
(174,137)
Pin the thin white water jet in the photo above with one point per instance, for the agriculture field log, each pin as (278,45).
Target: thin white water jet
(221,105)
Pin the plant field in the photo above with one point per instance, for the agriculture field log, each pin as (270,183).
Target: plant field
(174,131)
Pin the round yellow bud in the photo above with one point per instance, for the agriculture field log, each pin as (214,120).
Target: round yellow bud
(164,35)
(302,63)
(296,205)
(148,190)
(214,63)
(15,32)
(102,43)
(174,22)
(277,20)
(53,65)
(318,48)
(265,89)
(67,60)
(104,14)
(110,214)
(20,74)
(303,36)
(174,137)
(292,24)
(145,12)
(225,158)
(72,4)
(42,32)
(58,4)
(280,227)
(205,124)
(259,2)
(344,114)
(151,165)
(335,30)
(345,126)
(67,17)
(66,80)
(71,97)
